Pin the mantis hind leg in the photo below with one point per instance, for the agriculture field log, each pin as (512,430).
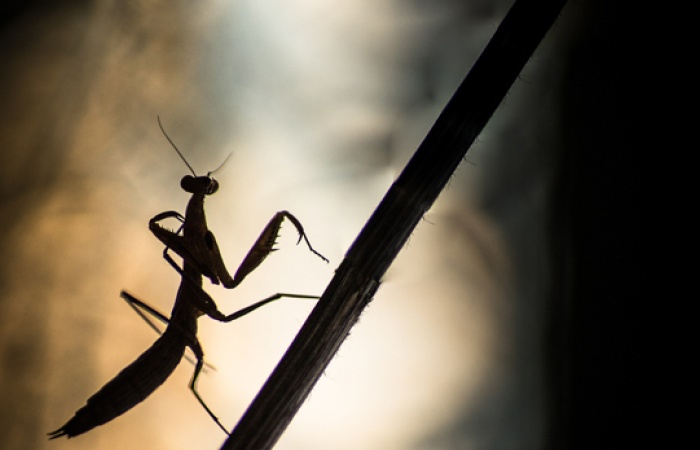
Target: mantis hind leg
(199,354)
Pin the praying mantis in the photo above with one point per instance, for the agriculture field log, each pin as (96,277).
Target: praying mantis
(201,257)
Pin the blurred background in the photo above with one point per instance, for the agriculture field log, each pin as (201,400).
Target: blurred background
(468,344)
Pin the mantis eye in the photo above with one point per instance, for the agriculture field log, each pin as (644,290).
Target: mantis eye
(188,184)
(213,186)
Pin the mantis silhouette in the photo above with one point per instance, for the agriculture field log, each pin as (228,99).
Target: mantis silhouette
(201,257)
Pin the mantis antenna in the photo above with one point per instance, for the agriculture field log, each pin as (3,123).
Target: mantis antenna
(183,158)
(220,165)
(175,147)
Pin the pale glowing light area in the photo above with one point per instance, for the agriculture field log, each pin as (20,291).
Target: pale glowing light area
(424,345)
(408,367)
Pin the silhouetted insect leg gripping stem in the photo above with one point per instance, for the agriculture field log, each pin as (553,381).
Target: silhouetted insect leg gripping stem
(209,308)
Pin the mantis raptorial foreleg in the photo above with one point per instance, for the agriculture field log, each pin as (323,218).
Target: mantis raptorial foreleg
(204,254)
(265,244)
(197,245)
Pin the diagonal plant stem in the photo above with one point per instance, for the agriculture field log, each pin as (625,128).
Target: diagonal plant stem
(412,194)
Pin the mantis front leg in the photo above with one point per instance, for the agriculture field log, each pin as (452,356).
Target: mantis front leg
(265,244)
(202,251)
